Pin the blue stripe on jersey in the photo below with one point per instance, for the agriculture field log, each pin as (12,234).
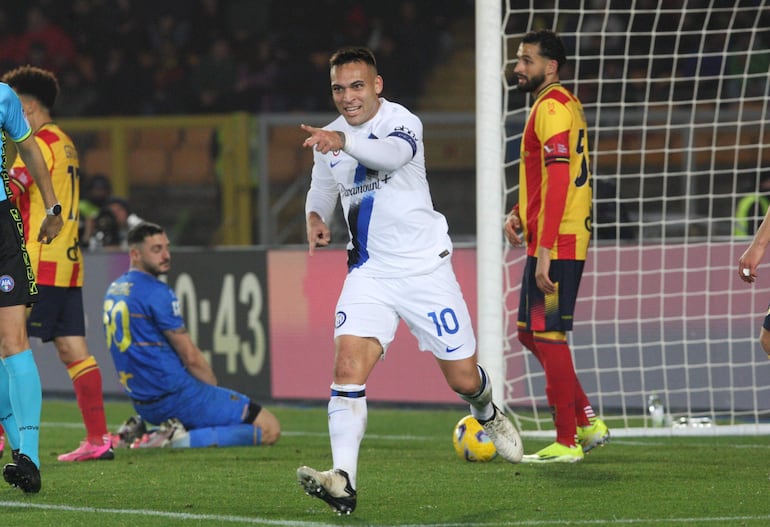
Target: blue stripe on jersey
(359,219)
(360,175)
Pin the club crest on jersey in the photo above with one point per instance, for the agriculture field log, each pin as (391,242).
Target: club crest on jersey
(340,318)
(7,283)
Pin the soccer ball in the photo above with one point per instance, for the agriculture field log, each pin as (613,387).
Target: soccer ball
(471,442)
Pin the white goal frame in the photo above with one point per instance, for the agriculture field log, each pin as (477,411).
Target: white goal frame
(728,391)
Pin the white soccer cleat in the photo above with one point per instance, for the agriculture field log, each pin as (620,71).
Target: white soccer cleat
(506,439)
(332,486)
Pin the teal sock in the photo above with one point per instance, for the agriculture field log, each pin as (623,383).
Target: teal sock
(26,401)
(7,418)
(221,436)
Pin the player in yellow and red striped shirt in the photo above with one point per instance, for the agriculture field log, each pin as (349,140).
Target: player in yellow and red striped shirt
(58,315)
(554,215)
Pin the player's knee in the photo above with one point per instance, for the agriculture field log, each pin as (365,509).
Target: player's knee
(463,385)
(270,426)
(13,340)
(462,376)
(270,436)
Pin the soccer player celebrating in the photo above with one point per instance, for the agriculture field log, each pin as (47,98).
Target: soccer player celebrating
(372,158)
(58,315)
(554,212)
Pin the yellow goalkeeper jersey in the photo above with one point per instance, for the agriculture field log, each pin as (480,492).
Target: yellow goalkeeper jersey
(59,263)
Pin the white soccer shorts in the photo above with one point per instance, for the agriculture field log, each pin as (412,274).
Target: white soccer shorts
(432,305)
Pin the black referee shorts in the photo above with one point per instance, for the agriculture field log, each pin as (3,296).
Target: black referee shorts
(17,278)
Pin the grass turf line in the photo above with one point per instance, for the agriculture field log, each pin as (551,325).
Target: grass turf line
(408,475)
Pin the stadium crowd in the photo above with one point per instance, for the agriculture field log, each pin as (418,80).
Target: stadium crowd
(143,57)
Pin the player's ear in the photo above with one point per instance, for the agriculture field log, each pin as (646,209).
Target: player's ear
(378,84)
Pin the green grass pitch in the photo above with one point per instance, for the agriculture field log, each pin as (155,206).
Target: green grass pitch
(409,474)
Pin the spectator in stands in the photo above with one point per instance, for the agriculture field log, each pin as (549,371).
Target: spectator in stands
(96,191)
(171,93)
(56,47)
(415,46)
(749,78)
(752,208)
(113,222)
(8,41)
(121,76)
(214,78)
(611,218)
(257,74)
(162,42)
(208,19)
(79,95)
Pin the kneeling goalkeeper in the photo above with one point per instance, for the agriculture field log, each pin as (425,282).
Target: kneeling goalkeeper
(162,370)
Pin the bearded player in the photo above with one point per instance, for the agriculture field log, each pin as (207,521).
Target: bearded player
(554,212)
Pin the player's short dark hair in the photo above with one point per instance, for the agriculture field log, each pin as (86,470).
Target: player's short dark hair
(353,54)
(35,82)
(138,233)
(551,46)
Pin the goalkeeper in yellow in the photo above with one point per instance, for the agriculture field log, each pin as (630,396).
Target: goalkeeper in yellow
(554,216)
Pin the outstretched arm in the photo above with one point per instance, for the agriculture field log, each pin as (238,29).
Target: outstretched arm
(387,153)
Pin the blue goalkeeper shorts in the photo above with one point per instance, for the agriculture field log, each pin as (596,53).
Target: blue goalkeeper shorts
(198,405)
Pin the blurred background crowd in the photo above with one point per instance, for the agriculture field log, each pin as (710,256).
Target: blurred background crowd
(161,57)
(203,57)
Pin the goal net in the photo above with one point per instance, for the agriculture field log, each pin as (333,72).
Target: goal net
(676,97)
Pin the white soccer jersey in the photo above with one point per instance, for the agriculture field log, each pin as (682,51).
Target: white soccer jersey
(394,230)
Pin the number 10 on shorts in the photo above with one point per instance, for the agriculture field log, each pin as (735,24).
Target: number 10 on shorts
(445,321)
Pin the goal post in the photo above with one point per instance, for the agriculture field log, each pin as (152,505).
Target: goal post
(489,162)
(676,97)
